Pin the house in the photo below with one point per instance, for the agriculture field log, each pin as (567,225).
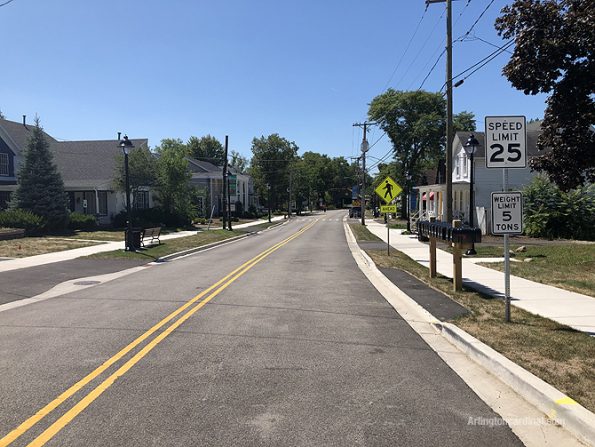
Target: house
(87,169)
(208,179)
(431,199)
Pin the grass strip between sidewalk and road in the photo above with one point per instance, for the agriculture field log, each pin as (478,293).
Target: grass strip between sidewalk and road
(559,355)
(176,245)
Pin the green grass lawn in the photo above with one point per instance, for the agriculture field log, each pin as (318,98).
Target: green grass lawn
(569,266)
(561,356)
(31,246)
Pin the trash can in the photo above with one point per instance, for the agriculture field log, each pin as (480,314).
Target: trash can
(134,238)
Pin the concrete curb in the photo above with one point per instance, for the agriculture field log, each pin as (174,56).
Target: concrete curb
(558,407)
(553,403)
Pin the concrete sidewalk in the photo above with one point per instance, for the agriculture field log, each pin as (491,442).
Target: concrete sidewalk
(569,308)
(66,255)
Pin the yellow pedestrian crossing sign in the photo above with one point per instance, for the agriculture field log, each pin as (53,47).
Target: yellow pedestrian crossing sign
(388,190)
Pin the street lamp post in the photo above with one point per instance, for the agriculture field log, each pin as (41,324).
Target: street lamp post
(269,200)
(126,145)
(408,187)
(470,148)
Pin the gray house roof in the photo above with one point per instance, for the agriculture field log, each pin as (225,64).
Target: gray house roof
(17,135)
(89,162)
(82,164)
(199,166)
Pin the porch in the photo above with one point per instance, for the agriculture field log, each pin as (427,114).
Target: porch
(431,202)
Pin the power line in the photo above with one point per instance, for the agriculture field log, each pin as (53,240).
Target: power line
(6,3)
(476,37)
(432,69)
(476,21)
(490,56)
(422,47)
(498,53)
(406,49)
(462,11)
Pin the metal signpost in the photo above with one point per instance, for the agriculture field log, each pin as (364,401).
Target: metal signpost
(506,147)
(388,190)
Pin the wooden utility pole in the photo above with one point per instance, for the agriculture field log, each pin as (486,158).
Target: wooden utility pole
(365,147)
(449,126)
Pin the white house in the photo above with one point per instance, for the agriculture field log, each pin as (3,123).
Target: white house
(431,199)
(208,179)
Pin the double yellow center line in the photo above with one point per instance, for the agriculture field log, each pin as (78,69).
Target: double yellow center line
(202,299)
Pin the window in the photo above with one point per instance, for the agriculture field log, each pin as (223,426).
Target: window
(465,169)
(4,165)
(141,200)
(102,196)
(458,167)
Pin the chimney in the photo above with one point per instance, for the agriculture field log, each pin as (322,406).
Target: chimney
(119,135)
(25,120)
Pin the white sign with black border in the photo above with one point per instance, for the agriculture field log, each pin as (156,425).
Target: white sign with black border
(507,212)
(506,142)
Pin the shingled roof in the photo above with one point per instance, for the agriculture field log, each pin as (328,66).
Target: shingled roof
(84,164)
(18,134)
(89,162)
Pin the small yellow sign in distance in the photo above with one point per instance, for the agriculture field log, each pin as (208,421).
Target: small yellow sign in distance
(388,190)
(388,209)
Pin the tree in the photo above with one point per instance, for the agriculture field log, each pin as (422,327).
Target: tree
(206,148)
(142,171)
(2,115)
(40,187)
(238,162)
(554,53)
(464,122)
(174,192)
(415,123)
(271,160)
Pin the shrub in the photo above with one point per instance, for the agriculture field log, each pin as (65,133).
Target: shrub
(80,221)
(552,213)
(151,217)
(19,218)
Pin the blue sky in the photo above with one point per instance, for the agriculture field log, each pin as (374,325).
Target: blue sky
(306,70)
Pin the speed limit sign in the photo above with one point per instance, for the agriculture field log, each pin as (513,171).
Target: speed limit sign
(506,142)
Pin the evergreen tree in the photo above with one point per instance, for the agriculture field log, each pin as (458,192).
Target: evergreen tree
(40,186)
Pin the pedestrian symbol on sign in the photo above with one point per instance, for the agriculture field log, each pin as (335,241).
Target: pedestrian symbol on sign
(389,190)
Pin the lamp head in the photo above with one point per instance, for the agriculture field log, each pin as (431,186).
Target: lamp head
(471,145)
(126,145)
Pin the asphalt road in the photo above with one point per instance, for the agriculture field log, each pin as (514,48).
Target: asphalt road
(294,348)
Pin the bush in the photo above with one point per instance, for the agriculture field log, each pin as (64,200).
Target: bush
(80,221)
(552,213)
(19,218)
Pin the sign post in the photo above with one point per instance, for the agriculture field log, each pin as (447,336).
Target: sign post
(506,147)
